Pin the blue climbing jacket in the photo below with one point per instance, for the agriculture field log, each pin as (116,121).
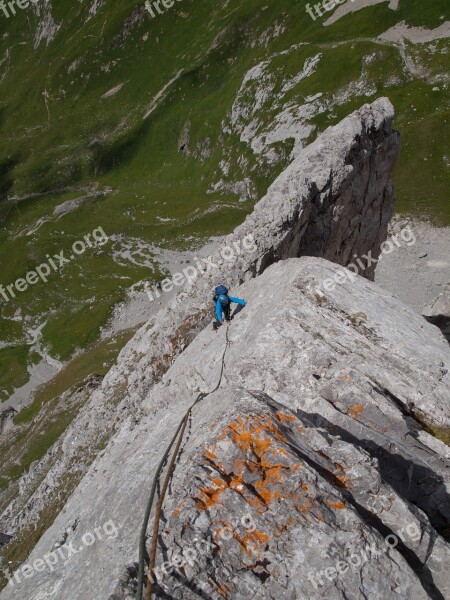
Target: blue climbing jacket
(219,307)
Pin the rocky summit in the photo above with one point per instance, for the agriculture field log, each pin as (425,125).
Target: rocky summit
(313,462)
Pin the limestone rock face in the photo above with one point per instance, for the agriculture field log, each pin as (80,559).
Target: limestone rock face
(308,473)
(333,201)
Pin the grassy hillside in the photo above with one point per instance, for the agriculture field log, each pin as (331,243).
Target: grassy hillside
(147,125)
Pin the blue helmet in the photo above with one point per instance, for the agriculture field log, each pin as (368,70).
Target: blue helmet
(224,300)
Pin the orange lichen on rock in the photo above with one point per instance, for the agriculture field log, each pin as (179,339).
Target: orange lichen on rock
(342,479)
(283,417)
(256,436)
(356,410)
(210,496)
(223,590)
(252,437)
(282,527)
(253,431)
(176,512)
(305,507)
(253,542)
(309,507)
(338,505)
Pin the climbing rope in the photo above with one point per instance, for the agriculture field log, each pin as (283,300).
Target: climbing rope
(178,437)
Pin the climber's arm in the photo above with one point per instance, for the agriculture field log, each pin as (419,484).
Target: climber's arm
(237,300)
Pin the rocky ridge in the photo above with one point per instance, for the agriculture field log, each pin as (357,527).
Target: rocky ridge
(360,372)
(312,450)
(335,200)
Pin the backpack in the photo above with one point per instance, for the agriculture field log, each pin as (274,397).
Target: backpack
(220,290)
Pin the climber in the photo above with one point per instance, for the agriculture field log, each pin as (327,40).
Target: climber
(223,304)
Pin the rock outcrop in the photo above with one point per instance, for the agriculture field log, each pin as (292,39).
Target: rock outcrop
(334,201)
(312,455)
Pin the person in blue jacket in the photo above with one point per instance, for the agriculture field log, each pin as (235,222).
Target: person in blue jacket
(223,304)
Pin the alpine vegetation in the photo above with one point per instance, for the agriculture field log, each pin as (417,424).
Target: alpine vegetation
(53,263)
(22,4)
(325,5)
(157,6)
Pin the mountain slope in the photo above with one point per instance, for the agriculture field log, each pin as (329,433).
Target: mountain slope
(335,200)
(167,130)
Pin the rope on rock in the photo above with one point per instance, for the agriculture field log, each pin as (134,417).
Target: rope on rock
(142,542)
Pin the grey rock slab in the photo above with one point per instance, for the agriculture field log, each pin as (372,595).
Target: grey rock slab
(312,438)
